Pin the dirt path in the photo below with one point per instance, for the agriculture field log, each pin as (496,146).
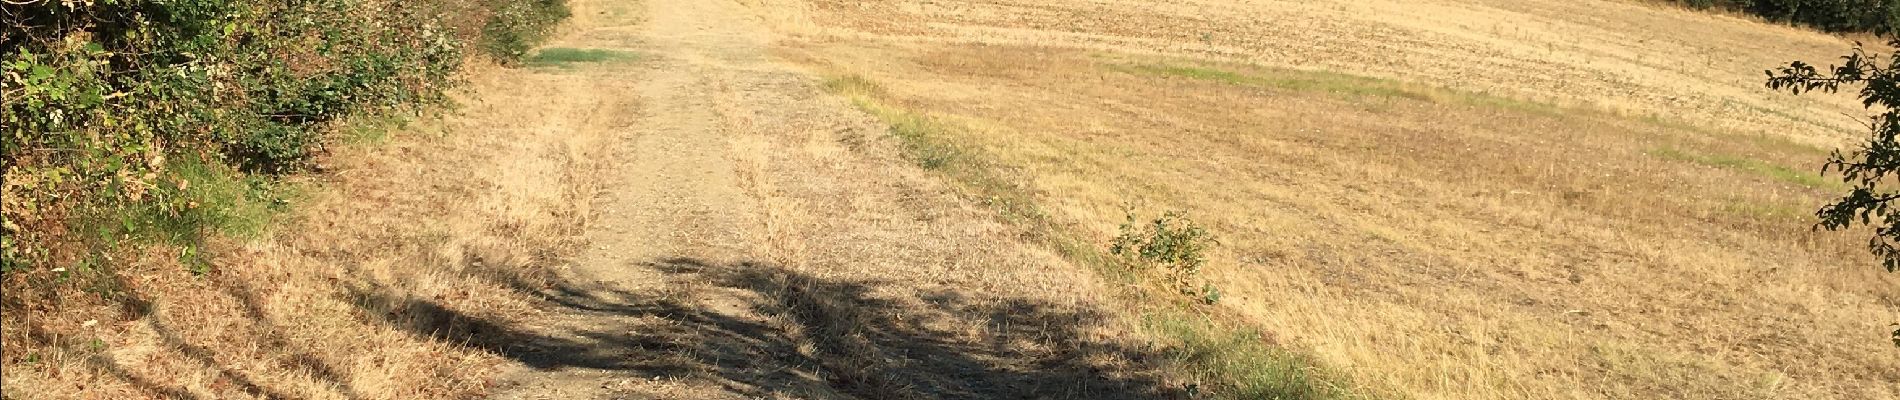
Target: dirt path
(757,238)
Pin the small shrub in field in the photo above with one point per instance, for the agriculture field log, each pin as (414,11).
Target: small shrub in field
(1171,242)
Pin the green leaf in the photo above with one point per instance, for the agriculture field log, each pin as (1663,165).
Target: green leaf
(91,98)
(40,72)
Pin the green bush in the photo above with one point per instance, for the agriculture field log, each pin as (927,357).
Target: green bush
(1171,242)
(518,26)
(96,97)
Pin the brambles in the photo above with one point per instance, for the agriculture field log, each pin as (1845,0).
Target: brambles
(518,26)
(111,108)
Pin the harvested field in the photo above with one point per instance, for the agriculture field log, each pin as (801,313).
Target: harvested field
(1446,199)
(1435,199)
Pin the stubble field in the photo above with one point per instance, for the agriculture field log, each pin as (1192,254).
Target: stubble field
(1441,199)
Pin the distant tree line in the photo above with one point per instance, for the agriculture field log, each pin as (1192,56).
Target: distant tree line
(1878,16)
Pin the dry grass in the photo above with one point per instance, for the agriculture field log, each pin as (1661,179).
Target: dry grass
(1500,211)
(1208,356)
(1567,200)
(291,313)
(1633,58)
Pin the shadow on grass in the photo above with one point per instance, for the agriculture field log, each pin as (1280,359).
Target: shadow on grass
(799,331)
(134,305)
(789,335)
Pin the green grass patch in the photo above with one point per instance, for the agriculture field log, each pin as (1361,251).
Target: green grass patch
(857,88)
(933,144)
(1285,79)
(1333,83)
(229,202)
(1749,165)
(371,129)
(1784,145)
(1228,362)
(209,198)
(566,57)
(1757,211)
(1190,72)
(200,198)
(1791,117)
(1242,358)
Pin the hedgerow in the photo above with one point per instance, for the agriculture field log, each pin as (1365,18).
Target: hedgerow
(133,120)
(1877,16)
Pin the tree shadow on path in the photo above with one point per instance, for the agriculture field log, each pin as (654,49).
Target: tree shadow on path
(791,330)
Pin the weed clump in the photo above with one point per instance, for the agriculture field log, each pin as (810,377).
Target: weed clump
(1171,243)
